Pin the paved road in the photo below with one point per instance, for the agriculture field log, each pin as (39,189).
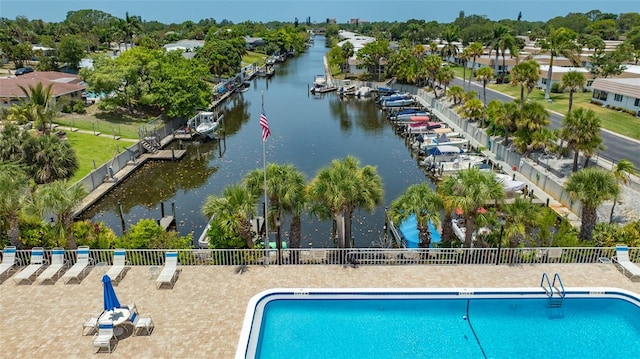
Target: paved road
(617,147)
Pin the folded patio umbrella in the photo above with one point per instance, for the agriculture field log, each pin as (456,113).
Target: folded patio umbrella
(110,299)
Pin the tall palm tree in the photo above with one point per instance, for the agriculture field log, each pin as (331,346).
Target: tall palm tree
(14,189)
(464,58)
(574,81)
(581,130)
(450,36)
(559,42)
(423,202)
(50,159)
(591,186)
(475,50)
(233,211)
(521,218)
(484,75)
(60,198)
(132,27)
(507,42)
(455,93)
(533,118)
(499,32)
(469,190)
(285,189)
(621,171)
(525,74)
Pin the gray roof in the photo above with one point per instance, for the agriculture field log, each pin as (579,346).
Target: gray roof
(628,87)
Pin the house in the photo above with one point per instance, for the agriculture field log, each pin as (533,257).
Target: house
(558,72)
(253,42)
(618,93)
(63,86)
(188,47)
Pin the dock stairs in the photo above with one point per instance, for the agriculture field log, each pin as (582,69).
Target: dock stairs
(555,292)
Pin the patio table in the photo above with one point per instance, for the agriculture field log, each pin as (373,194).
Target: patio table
(118,316)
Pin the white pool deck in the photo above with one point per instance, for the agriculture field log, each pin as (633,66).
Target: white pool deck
(201,317)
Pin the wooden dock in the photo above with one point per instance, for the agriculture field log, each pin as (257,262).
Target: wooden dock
(167,222)
(167,155)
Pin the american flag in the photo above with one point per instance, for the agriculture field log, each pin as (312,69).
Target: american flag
(264,123)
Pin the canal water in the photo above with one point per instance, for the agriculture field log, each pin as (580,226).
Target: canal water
(307,131)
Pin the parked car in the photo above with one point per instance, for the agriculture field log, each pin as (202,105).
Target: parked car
(23,70)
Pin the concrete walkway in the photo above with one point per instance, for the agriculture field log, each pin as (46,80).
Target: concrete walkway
(202,316)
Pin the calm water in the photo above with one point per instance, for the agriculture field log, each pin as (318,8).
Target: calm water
(307,131)
(423,328)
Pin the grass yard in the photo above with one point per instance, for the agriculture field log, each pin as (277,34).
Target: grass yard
(253,57)
(90,149)
(106,122)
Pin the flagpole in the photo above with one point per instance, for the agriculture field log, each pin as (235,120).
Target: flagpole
(266,199)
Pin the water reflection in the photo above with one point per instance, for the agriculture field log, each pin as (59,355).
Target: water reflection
(307,131)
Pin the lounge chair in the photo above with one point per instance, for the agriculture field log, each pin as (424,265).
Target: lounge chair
(77,270)
(58,263)
(35,266)
(8,260)
(142,323)
(629,269)
(169,273)
(105,338)
(90,326)
(118,269)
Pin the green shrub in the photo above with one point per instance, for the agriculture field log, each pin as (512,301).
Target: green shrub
(556,87)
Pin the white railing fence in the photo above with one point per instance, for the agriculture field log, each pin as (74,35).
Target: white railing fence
(354,256)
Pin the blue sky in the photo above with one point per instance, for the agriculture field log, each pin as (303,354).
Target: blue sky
(444,11)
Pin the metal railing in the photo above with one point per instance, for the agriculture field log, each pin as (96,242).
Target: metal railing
(354,256)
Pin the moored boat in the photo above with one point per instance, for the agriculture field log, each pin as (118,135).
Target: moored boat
(206,123)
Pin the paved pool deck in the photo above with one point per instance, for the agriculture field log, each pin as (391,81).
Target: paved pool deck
(201,317)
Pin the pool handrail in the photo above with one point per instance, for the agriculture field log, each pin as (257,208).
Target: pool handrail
(549,288)
(557,276)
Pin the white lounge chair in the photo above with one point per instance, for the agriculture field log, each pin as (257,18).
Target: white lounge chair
(169,273)
(621,259)
(8,260)
(105,338)
(90,326)
(118,269)
(77,270)
(35,266)
(142,322)
(58,263)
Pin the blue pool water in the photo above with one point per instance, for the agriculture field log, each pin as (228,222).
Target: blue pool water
(444,328)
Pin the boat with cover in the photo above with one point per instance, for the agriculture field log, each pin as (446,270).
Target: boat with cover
(206,123)
(398,103)
(320,85)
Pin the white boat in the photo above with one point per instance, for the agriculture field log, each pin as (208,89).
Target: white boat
(429,142)
(448,158)
(320,85)
(508,183)
(206,123)
(461,231)
(348,89)
(398,103)
(364,91)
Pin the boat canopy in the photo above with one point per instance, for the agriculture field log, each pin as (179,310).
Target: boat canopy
(445,149)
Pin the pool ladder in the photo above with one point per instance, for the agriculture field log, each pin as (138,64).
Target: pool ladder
(554,289)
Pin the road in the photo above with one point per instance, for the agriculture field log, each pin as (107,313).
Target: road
(616,147)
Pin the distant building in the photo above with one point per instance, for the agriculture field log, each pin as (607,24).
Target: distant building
(253,42)
(64,85)
(332,21)
(558,72)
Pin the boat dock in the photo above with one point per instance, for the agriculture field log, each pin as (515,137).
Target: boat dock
(167,155)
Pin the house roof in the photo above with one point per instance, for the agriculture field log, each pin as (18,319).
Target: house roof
(628,87)
(63,83)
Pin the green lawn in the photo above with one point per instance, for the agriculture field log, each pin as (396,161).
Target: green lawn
(253,57)
(90,149)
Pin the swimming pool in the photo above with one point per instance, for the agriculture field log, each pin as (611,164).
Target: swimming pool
(441,323)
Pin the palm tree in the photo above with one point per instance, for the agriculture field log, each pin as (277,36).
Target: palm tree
(621,171)
(472,109)
(444,75)
(574,81)
(469,190)
(521,217)
(285,189)
(499,32)
(525,74)
(14,189)
(464,58)
(591,186)
(12,142)
(507,42)
(559,42)
(339,189)
(50,159)
(475,50)
(40,103)
(450,35)
(484,75)
(581,130)
(60,198)
(233,211)
(131,27)
(533,117)
(455,93)
(423,202)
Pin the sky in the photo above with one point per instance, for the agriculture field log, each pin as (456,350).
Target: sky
(442,11)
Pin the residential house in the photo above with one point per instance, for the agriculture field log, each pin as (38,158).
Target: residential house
(64,86)
(618,93)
